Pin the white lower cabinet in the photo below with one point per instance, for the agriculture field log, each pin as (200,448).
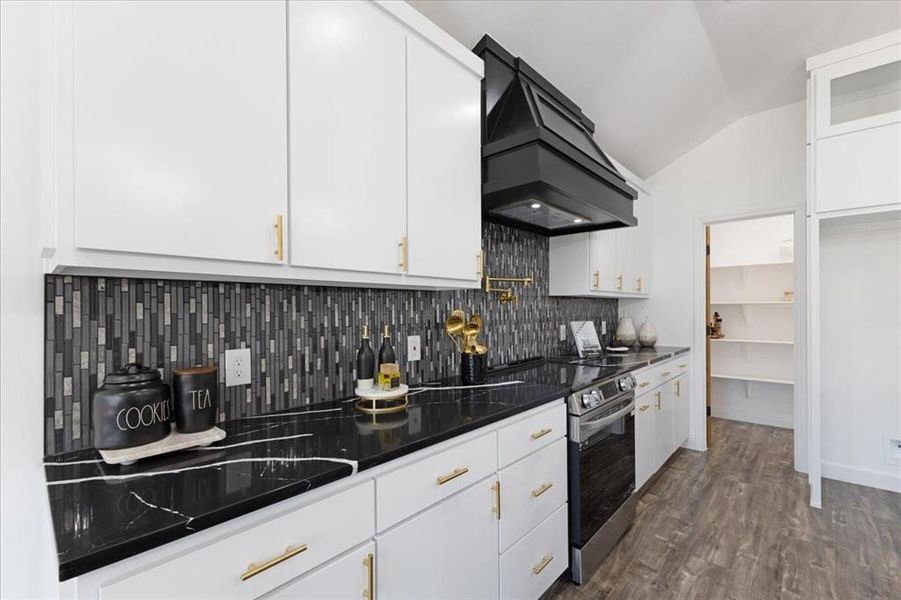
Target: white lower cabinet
(350,576)
(534,562)
(680,402)
(448,551)
(645,439)
(666,420)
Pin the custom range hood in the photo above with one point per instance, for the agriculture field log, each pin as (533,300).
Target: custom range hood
(541,169)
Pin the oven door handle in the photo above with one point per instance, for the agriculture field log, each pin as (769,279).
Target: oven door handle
(590,427)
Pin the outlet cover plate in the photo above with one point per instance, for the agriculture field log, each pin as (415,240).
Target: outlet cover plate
(414,348)
(563,333)
(237,367)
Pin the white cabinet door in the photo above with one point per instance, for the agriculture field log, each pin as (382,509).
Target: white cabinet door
(602,260)
(645,438)
(443,165)
(532,565)
(626,270)
(681,403)
(179,128)
(449,551)
(665,422)
(347,133)
(641,282)
(350,576)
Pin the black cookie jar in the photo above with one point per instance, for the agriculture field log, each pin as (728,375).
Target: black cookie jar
(131,408)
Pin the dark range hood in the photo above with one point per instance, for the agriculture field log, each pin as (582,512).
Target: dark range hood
(541,169)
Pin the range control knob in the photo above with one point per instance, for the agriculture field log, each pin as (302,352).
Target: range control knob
(626,384)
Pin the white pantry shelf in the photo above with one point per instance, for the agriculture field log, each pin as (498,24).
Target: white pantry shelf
(760,264)
(752,378)
(743,302)
(749,341)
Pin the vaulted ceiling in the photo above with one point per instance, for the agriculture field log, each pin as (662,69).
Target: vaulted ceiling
(660,77)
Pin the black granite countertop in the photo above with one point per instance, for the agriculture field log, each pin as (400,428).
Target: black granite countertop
(103,513)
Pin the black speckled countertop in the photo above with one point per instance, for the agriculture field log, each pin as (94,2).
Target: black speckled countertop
(104,513)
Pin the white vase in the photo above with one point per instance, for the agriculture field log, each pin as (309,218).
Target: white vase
(647,334)
(625,332)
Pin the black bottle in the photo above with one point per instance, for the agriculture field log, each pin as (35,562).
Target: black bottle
(386,352)
(365,362)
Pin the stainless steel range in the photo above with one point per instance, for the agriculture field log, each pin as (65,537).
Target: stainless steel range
(601,470)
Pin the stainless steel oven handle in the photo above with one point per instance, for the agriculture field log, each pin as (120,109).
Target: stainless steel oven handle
(591,426)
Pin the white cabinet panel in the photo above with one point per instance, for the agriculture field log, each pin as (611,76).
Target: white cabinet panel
(645,438)
(528,435)
(859,169)
(602,260)
(449,551)
(681,404)
(626,240)
(530,567)
(347,131)
(179,128)
(443,165)
(665,422)
(349,576)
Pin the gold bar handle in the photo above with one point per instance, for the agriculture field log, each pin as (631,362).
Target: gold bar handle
(666,374)
(442,479)
(683,365)
(657,394)
(541,433)
(644,407)
(541,565)
(480,264)
(638,281)
(290,551)
(541,489)
(644,384)
(619,283)
(678,389)
(402,246)
(496,488)
(597,279)
(368,562)
(279,237)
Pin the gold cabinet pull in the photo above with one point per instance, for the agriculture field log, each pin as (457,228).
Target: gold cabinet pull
(597,279)
(619,283)
(290,551)
(402,246)
(657,394)
(541,489)
(638,281)
(644,384)
(368,562)
(541,433)
(678,389)
(644,407)
(496,488)
(542,564)
(442,479)
(683,365)
(666,374)
(480,264)
(279,237)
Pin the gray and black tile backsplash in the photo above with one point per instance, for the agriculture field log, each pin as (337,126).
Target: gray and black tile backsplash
(303,339)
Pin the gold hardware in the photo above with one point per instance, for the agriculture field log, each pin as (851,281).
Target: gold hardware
(644,384)
(506,294)
(657,394)
(644,407)
(678,389)
(289,552)
(403,254)
(666,374)
(496,488)
(541,565)
(541,433)
(370,577)
(597,279)
(442,479)
(541,489)
(480,263)
(638,281)
(279,237)
(682,366)
(619,283)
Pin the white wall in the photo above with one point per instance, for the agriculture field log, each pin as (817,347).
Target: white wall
(27,560)
(755,165)
(860,310)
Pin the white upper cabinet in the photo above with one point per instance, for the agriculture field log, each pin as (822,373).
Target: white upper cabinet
(602,260)
(178,128)
(444,165)
(348,149)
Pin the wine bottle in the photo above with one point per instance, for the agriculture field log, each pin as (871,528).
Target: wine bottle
(365,362)
(386,352)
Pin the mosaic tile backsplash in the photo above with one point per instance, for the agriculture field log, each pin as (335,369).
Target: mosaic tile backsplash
(303,339)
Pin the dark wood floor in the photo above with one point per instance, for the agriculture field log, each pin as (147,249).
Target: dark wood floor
(733,522)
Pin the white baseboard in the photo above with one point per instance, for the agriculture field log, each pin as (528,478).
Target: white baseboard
(692,444)
(861,476)
(753,416)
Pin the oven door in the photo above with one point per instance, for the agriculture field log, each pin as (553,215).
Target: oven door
(606,455)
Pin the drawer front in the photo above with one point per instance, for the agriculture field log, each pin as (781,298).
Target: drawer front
(325,528)
(531,490)
(351,576)
(647,379)
(680,365)
(523,437)
(530,567)
(417,486)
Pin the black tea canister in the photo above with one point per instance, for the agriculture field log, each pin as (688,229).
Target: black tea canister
(131,408)
(195,392)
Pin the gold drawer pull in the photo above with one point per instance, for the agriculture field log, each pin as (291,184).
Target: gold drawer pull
(541,565)
(658,400)
(678,389)
(666,374)
(541,489)
(597,279)
(279,237)
(682,366)
(644,407)
(541,433)
(442,479)
(370,577)
(289,552)
(644,384)
(496,488)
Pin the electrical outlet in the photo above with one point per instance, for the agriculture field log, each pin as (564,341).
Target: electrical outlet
(237,367)
(414,348)
(603,327)
(563,333)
